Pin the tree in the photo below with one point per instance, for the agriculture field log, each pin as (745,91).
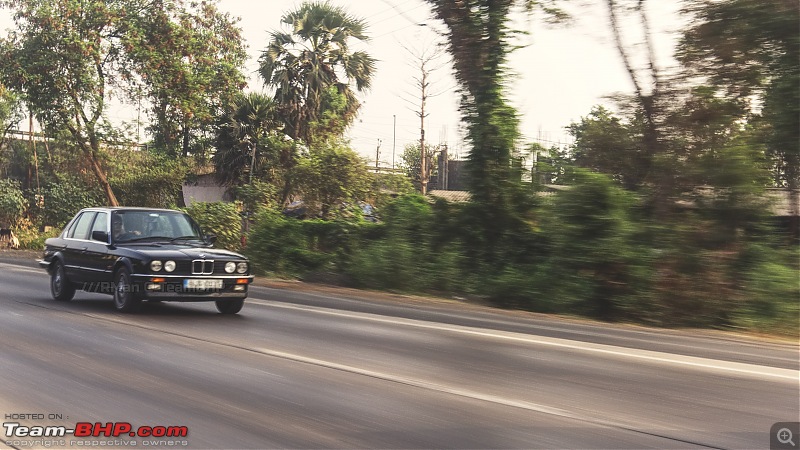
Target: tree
(249,142)
(10,112)
(479,41)
(606,144)
(192,59)
(68,58)
(314,56)
(411,162)
(749,49)
(655,161)
(553,165)
(423,59)
(331,175)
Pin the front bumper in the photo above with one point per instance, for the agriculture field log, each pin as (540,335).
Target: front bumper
(171,287)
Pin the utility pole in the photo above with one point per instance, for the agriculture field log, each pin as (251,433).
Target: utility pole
(252,160)
(378,156)
(394,137)
(444,169)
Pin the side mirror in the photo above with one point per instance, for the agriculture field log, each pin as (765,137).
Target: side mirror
(211,238)
(101,236)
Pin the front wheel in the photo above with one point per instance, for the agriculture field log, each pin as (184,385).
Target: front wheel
(60,287)
(126,299)
(229,306)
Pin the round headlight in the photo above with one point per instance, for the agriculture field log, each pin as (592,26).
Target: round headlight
(155,266)
(230,266)
(241,267)
(169,266)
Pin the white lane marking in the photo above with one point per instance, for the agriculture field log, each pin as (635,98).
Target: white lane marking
(419,383)
(648,355)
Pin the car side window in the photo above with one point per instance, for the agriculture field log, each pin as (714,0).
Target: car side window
(100,223)
(82,226)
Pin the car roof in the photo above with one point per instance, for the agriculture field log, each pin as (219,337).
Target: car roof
(128,208)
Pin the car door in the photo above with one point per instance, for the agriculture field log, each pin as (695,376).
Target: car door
(95,258)
(77,243)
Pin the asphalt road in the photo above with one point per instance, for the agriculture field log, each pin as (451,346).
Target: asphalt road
(314,370)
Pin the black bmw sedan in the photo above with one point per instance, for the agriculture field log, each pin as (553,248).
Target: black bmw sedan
(139,254)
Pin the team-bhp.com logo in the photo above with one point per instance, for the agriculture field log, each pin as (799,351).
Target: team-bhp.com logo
(97,429)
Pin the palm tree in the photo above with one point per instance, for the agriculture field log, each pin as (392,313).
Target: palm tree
(247,141)
(304,63)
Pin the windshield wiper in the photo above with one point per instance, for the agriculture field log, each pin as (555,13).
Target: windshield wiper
(142,239)
(186,238)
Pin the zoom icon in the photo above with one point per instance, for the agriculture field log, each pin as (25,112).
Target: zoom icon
(783,435)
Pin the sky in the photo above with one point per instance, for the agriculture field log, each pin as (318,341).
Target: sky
(559,74)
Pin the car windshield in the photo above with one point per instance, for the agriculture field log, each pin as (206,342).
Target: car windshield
(133,226)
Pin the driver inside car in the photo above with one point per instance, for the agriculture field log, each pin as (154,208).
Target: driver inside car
(118,229)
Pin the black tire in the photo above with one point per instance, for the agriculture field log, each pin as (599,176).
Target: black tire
(126,299)
(60,286)
(230,306)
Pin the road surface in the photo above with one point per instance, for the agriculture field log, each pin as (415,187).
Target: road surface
(314,370)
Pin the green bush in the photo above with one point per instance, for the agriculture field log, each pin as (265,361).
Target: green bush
(771,292)
(276,244)
(595,265)
(30,239)
(221,219)
(12,202)
(146,179)
(63,199)
(406,255)
(286,246)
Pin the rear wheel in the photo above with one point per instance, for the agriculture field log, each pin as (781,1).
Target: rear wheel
(60,286)
(126,299)
(230,306)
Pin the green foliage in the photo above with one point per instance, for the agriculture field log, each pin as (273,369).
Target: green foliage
(12,202)
(411,162)
(604,143)
(256,195)
(303,63)
(147,179)
(249,144)
(31,239)
(593,250)
(335,115)
(190,57)
(331,175)
(405,257)
(772,297)
(275,244)
(748,50)
(553,165)
(63,198)
(183,56)
(287,246)
(480,41)
(11,110)
(221,219)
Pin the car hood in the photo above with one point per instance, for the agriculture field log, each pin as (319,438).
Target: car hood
(172,251)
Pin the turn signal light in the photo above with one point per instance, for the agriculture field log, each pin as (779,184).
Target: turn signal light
(242,280)
(158,280)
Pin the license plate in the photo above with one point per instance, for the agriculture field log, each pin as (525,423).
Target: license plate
(195,283)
